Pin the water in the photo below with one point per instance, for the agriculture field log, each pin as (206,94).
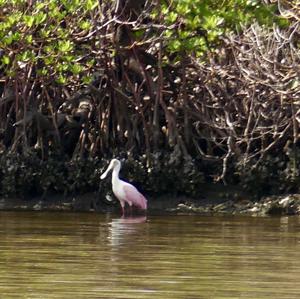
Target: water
(85,255)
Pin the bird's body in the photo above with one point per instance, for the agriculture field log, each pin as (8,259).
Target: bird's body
(125,192)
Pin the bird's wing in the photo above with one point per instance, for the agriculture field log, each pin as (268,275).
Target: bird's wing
(135,196)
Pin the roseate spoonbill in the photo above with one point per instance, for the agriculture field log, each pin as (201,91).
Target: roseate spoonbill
(124,191)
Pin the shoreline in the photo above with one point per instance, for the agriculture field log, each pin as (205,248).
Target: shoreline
(211,202)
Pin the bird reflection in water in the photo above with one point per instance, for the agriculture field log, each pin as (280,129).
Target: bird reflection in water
(126,229)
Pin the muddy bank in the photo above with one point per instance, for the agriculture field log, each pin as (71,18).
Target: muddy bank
(268,206)
(216,199)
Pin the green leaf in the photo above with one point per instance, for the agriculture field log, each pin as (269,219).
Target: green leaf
(62,67)
(7,40)
(56,14)
(85,25)
(175,46)
(90,62)
(25,56)
(16,36)
(61,79)
(91,4)
(172,16)
(40,18)
(76,68)
(87,79)
(42,72)
(44,33)
(28,20)
(5,60)
(39,6)
(69,58)
(49,60)
(65,45)
(29,39)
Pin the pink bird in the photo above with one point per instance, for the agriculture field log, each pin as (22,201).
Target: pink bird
(124,191)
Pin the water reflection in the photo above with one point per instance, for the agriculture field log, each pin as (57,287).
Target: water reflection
(124,228)
(56,255)
(130,219)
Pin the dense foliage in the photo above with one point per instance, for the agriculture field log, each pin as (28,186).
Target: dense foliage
(196,27)
(205,87)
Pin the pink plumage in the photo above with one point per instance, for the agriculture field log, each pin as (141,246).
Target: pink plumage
(135,197)
(125,192)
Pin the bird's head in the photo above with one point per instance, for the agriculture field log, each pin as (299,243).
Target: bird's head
(112,165)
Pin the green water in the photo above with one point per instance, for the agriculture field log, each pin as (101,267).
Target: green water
(61,255)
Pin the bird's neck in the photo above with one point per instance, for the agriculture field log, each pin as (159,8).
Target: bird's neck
(115,175)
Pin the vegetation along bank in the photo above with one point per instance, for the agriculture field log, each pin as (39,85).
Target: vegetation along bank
(188,94)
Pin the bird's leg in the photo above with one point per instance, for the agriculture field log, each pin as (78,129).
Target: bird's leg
(123,207)
(130,207)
